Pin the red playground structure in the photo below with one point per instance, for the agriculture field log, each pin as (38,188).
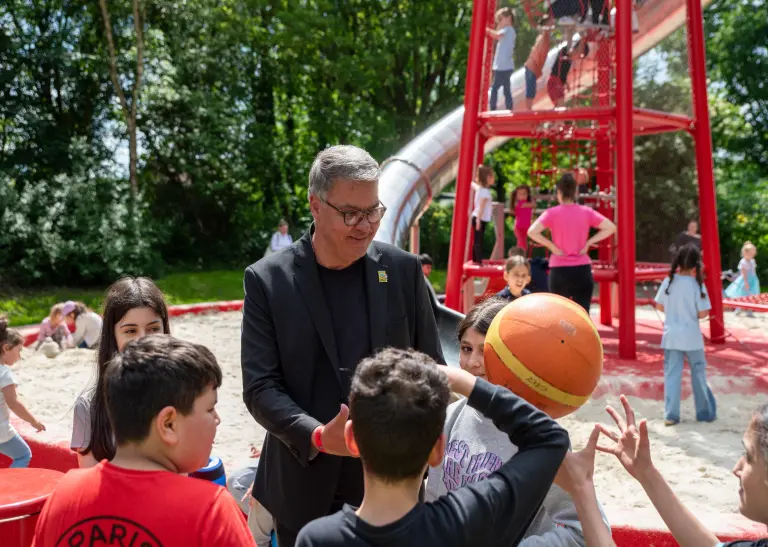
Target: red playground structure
(595,133)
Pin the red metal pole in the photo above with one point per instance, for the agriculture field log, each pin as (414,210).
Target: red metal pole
(625,194)
(702,135)
(472,94)
(604,169)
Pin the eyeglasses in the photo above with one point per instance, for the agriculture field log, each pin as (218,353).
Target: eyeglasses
(353,218)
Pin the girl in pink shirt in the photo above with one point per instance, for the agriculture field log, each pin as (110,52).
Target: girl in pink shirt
(570,272)
(522,205)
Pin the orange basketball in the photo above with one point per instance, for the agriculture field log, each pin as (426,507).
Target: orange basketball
(545,348)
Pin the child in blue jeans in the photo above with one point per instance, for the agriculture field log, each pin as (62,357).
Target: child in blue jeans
(683,298)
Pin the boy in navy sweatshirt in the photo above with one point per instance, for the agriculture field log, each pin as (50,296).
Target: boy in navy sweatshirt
(398,406)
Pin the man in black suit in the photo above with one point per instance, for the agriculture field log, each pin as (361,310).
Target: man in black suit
(312,312)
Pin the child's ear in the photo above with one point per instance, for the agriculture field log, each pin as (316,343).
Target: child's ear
(167,426)
(436,454)
(349,439)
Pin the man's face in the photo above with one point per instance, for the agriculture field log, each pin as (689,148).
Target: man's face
(426,269)
(693,227)
(347,243)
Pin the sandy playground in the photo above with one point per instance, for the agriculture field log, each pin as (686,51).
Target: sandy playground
(695,458)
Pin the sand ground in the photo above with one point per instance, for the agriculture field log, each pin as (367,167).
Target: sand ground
(696,458)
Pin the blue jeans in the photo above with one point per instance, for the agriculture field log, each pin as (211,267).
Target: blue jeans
(530,84)
(501,79)
(18,450)
(703,398)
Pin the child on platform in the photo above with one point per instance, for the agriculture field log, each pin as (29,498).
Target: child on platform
(517,274)
(534,66)
(398,407)
(475,448)
(684,300)
(161,398)
(55,327)
(134,307)
(88,324)
(12,444)
(503,61)
(557,83)
(521,204)
(747,283)
(633,450)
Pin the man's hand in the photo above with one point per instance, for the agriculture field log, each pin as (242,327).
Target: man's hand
(632,446)
(460,381)
(578,468)
(333,434)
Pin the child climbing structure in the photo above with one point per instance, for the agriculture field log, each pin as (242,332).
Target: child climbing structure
(592,133)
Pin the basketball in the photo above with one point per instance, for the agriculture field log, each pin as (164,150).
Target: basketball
(545,348)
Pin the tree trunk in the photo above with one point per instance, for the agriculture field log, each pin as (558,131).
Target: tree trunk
(129,111)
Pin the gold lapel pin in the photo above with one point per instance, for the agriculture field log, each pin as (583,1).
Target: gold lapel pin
(382,276)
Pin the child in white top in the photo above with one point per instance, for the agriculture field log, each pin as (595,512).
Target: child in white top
(87,322)
(11,443)
(483,209)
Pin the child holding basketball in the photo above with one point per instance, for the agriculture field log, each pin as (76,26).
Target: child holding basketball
(475,448)
(521,204)
(684,300)
(161,398)
(633,449)
(134,307)
(12,444)
(517,274)
(398,407)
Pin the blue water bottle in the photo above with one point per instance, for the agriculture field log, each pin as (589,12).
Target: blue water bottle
(213,472)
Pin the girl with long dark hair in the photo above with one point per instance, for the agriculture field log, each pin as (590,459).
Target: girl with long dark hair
(134,307)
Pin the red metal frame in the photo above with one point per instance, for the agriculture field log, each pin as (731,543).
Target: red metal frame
(702,135)
(614,124)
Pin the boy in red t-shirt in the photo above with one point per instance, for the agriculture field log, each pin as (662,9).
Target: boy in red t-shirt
(161,398)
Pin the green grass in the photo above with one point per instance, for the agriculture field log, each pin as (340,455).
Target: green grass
(29,307)
(437,277)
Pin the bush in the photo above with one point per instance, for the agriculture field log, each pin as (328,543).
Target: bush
(81,229)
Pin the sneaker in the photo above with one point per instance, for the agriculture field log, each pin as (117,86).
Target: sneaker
(671,422)
(566,21)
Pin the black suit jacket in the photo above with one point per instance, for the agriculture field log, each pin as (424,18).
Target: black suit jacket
(290,364)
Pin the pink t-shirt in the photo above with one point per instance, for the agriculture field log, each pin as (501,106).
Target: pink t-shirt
(523,216)
(570,226)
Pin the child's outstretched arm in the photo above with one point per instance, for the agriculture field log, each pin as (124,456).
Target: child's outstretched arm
(633,449)
(18,408)
(576,477)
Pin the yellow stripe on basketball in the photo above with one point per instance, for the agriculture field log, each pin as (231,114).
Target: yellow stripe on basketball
(527,376)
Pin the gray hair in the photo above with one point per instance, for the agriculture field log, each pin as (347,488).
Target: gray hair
(343,162)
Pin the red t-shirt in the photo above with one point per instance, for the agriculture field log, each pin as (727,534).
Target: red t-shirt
(108,505)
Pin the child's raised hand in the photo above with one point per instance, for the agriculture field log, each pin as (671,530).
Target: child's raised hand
(632,448)
(578,468)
